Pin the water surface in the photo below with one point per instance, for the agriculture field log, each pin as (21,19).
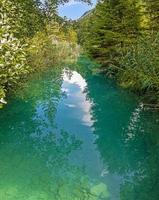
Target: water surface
(73,135)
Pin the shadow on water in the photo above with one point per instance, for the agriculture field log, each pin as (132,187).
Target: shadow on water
(72,135)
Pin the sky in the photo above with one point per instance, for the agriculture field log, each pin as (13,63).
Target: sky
(74,9)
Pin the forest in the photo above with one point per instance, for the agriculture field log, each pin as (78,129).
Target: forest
(121,35)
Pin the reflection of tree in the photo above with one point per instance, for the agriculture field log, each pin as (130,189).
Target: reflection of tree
(127,138)
(143,149)
(34,156)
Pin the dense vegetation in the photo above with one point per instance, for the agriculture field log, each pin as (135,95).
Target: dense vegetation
(32,37)
(122,35)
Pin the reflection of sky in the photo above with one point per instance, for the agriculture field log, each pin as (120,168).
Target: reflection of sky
(75,79)
(77,85)
(74,115)
(74,9)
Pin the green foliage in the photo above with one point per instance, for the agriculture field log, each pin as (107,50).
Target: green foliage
(12,52)
(122,36)
(52,47)
(29,17)
(108,27)
(152,14)
(28,41)
(140,65)
(50,8)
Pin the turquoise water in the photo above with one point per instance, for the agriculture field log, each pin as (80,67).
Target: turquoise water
(73,135)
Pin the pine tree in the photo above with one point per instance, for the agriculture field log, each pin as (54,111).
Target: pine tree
(113,25)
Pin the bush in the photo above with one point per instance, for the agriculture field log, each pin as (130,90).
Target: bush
(139,67)
(51,47)
(44,49)
(12,52)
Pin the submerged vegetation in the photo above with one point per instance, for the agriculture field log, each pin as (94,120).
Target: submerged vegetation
(122,35)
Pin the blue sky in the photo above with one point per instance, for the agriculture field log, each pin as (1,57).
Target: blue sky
(74,9)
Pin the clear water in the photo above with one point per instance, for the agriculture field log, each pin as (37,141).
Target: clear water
(72,135)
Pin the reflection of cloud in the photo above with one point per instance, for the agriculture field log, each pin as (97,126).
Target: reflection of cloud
(79,96)
(87,117)
(70,105)
(75,78)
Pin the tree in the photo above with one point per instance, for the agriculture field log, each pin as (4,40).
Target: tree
(111,26)
(12,53)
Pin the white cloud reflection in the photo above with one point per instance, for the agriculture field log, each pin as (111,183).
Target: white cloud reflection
(74,78)
(78,96)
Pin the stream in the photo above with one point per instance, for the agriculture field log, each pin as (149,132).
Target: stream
(71,134)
